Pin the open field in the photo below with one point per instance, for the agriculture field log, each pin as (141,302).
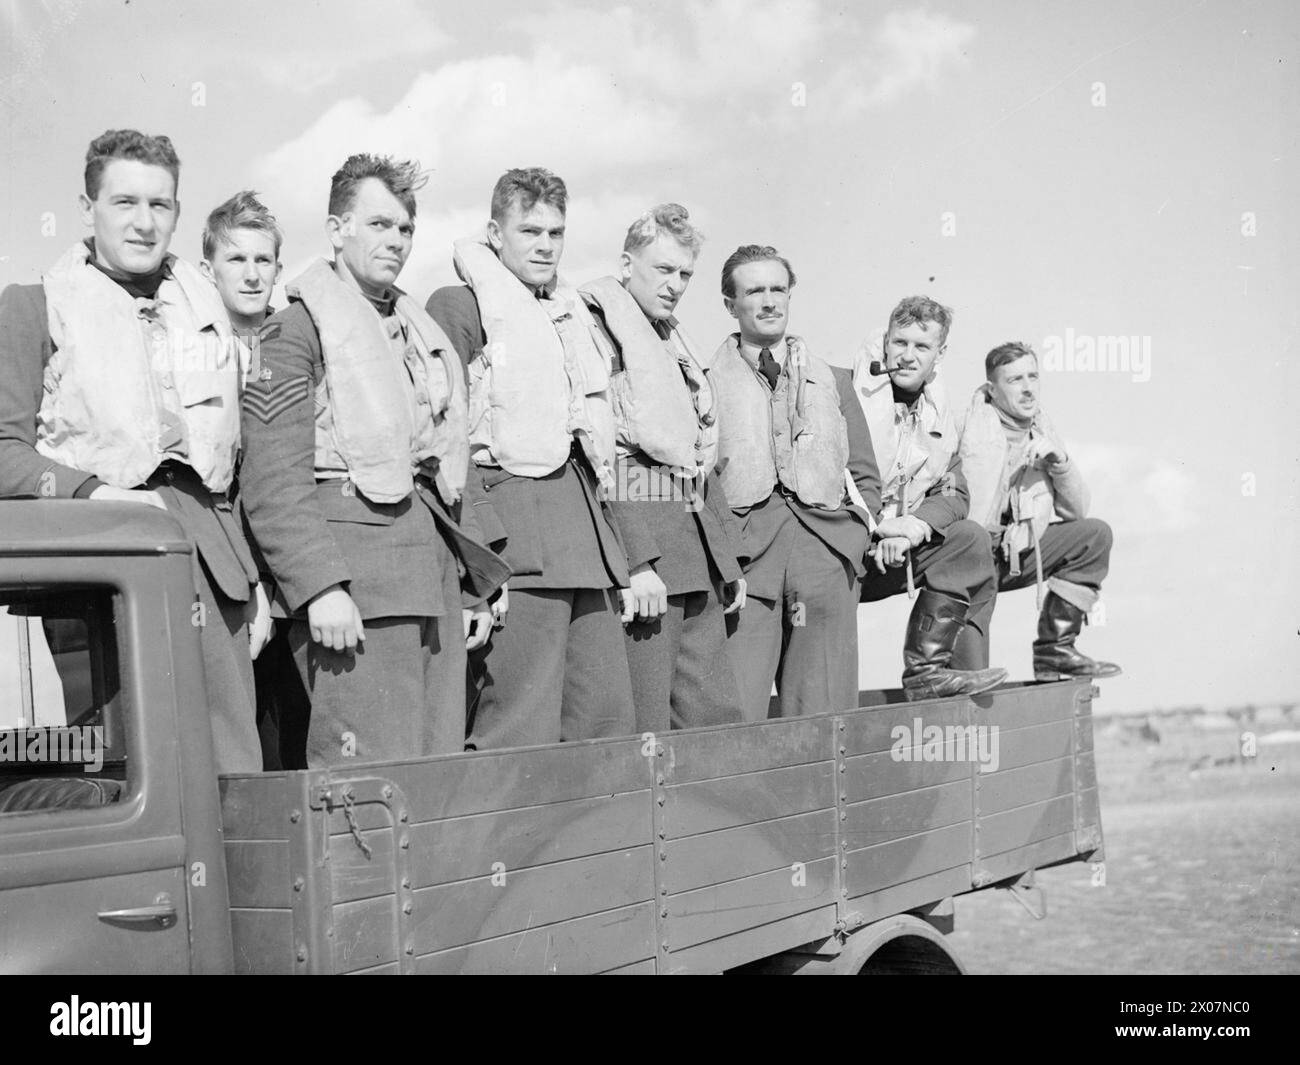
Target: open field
(1202,871)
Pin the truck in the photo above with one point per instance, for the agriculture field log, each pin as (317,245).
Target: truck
(831,843)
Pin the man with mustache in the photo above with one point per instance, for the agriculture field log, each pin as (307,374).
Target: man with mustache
(1021,478)
(680,535)
(924,533)
(355,468)
(120,381)
(791,438)
(542,434)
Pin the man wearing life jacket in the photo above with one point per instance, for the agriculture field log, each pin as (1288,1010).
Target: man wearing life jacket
(119,381)
(355,466)
(680,535)
(542,433)
(241,257)
(790,439)
(924,534)
(1021,479)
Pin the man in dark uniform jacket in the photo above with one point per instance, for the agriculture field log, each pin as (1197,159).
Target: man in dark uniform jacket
(542,433)
(672,513)
(136,399)
(355,461)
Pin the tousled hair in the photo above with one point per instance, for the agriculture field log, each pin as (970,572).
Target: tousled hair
(402,177)
(527,186)
(129,144)
(751,253)
(922,309)
(1006,353)
(242,211)
(670,218)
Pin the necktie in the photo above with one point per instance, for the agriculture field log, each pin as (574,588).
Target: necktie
(768,367)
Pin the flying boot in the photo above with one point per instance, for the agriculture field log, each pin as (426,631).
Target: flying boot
(1055,656)
(932,631)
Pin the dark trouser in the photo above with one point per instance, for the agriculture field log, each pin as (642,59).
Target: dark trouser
(228,676)
(556,672)
(1074,551)
(807,642)
(283,709)
(958,563)
(401,694)
(681,676)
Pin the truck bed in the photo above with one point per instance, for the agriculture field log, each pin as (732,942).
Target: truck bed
(693,851)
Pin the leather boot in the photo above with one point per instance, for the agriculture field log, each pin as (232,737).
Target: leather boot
(932,632)
(1055,657)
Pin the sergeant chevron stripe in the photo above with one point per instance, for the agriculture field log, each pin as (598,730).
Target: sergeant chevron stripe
(266,401)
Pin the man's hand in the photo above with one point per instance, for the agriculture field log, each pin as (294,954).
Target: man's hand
(913,529)
(1045,449)
(334,619)
(890,552)
(628,603)
(500,604)
(260,622)
(128,495)
(733,595)
(649,593)
(478,626)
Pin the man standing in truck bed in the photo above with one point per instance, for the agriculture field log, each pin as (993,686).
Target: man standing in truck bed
(542,431)
(680,535)
(355,464)
(119,380)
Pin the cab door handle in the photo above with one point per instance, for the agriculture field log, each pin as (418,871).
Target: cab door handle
(162,913)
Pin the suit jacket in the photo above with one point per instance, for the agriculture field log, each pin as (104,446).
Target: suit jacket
(316,534)
(25,347)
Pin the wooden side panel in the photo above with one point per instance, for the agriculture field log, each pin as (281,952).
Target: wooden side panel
(868,732)
(364,934)
(263,940)
(906,814)
(1033,856)
(257,872)
(451,915)
(1037,743)
(716,857)
(1089,808)
(1038,782)
(722,909)
(598,942)
(463,848)
(910,858)
(870,776)
(256,807)
(637,968)
(1026,824)
(751,944)
(746,749)
(898,898)
(358,876)
(1024,707)
(711,805)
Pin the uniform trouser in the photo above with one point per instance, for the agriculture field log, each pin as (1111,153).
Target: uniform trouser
(228,674)
(959,563)
(807,641)
(1074,551)
(401,694)
(283,709)
(681,676)
(557,671)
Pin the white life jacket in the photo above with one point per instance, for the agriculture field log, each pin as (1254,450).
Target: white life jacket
(663,402)
(794,434)
(540,379)
(913,451)
(392,403)
(114,355)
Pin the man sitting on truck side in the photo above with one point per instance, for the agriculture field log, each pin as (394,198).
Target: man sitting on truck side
(355,465)
(680,535)
(924,533)
(119,381)
(241,257)
(1020,478)
(543,436)
(789,432)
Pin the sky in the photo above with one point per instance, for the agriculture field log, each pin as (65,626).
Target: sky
(1110,177)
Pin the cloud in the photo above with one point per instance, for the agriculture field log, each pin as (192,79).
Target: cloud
(1136,490)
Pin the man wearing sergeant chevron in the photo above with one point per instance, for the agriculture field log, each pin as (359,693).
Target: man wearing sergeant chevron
(923,532)
(542,434)
(355,468)
(789,433)
(681,537)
